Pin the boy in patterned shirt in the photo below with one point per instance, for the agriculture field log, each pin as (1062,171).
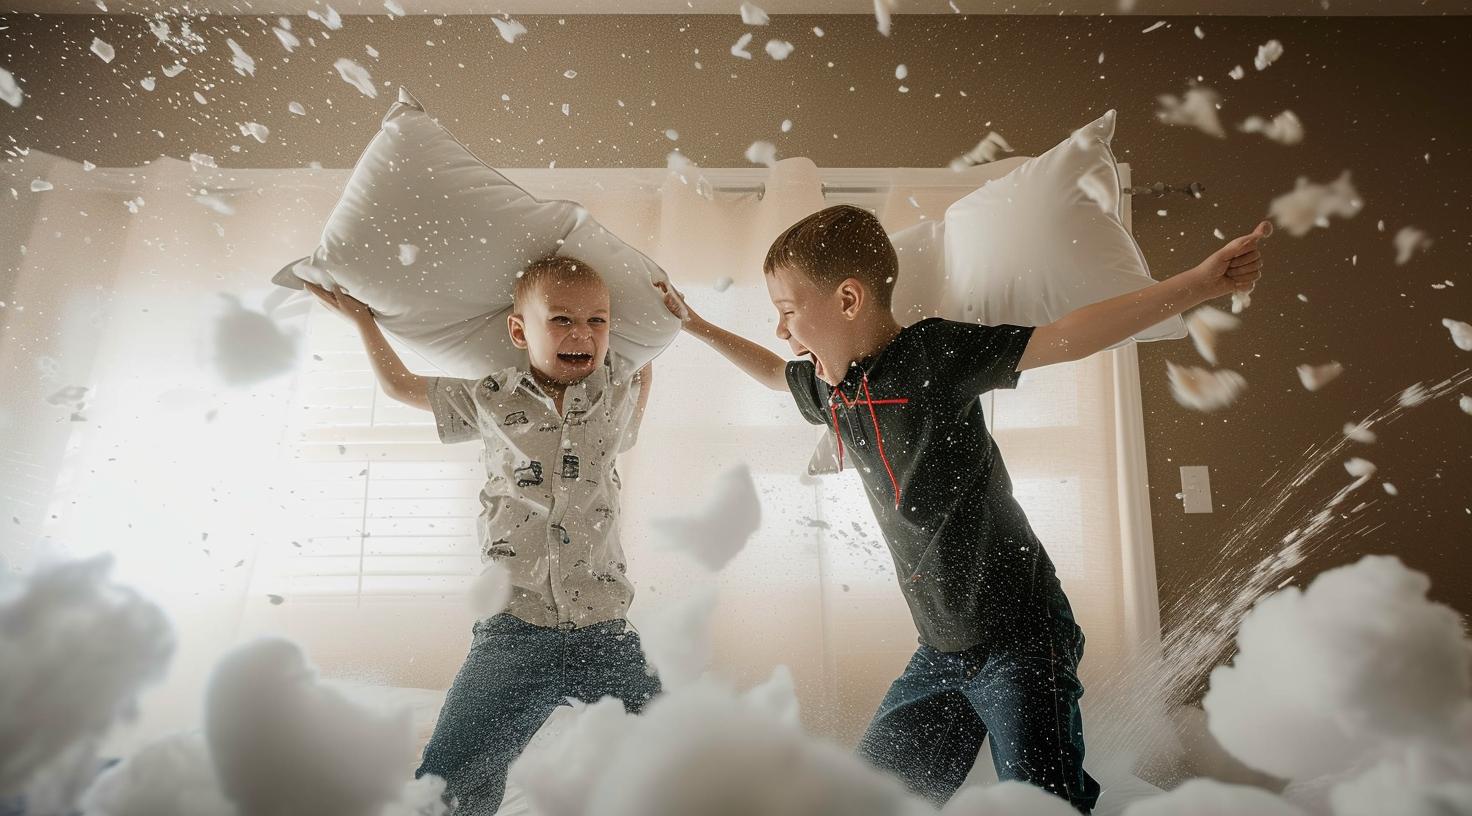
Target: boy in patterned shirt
(550,515)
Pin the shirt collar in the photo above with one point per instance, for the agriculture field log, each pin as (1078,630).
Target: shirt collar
(577,396)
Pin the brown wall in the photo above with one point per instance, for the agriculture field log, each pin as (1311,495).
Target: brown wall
(1376,95)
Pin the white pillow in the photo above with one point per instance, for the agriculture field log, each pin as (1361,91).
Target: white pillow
(1025,249)
(470,232)
(1032,246)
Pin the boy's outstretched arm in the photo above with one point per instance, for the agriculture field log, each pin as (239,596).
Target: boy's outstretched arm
(756,360)
(396,379)
(1233,268)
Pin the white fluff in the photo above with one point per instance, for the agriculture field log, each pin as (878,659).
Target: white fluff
(407,254)
(256,131)
(509,29)
(1267,54)
(1202,390)
(241,61)
(739,49)
(779,49)
(1465,403)
(215,203)
(1010,798)
(752,14)
(357,76)
(1208,797)
(1359,468)
(329,18)
(1285,128)
(1414,395)
(707,751)
(1356,666)
(677,640)
(249,346)
(989,149)
(77,651)
(1409,241)
(491,591)
(701,749)
(882,9)
(287,39)
(557,774)
(1406,789)
(103,51)
(1461,333)
(1315,377)
(719,530)
(9,90)
(283,743)
(1360,432)
(172,776)
(1205,325)
(1310,205)
(762,153)
(420,797)
(1197,109)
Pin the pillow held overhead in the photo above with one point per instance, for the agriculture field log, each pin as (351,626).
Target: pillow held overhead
(1025,248)
(433,239)
(1045,239)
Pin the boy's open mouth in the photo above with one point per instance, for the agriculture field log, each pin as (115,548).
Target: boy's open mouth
(817,365)
(578,358)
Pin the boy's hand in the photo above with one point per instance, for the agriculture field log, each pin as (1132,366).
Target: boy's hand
(342,303)
(675,302)
(1235,267)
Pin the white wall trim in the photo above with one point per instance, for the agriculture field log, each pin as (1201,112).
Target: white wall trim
(1137,537)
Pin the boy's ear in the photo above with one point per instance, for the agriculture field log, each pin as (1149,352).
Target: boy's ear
(517,328)
(851,297)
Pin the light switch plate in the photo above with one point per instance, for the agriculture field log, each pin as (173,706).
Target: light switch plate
(1196,488)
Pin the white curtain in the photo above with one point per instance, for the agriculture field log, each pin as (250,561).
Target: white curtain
(307,504)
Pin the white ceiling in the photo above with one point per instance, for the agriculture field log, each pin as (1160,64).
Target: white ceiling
(1050,7)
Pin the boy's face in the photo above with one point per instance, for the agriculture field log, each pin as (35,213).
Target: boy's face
(564,328)
(813,321)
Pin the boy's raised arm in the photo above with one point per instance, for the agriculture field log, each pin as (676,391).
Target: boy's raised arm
(396,379)
(1233,268)
(753,358)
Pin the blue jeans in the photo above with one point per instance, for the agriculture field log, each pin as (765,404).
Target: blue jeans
(1021,688)
(514,677)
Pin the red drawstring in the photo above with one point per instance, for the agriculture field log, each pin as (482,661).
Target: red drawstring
(878,435)
(879,441)
(836,434)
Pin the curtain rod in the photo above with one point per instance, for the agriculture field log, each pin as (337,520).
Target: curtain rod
(1194,189)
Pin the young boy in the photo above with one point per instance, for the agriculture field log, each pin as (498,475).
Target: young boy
(999,648)
(549,514)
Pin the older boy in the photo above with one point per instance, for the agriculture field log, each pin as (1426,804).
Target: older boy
(999,648)
(550,515)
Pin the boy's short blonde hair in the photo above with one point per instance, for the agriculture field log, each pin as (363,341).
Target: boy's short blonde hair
(550,269)
(835,244)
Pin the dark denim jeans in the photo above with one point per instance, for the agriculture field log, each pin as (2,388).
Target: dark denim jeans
(1020,688)
(514,677)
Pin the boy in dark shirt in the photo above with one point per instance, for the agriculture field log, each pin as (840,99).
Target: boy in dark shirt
(999,648)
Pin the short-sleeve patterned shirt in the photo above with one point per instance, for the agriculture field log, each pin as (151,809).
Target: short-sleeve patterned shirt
(550,505)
